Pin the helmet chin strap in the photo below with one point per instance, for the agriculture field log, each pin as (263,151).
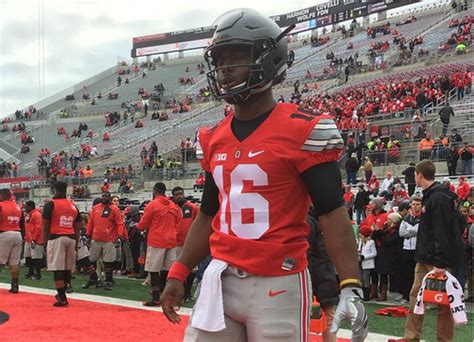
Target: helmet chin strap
(241,98)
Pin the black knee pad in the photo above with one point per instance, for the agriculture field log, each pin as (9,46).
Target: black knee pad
(58,275)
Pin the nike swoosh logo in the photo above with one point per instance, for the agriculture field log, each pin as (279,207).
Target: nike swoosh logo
(276,293)
(254,154)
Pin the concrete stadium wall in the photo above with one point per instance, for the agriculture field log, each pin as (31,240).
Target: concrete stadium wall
(170,184)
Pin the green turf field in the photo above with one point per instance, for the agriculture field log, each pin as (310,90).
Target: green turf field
(133,290)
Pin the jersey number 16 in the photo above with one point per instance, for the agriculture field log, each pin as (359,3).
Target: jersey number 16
(234,201)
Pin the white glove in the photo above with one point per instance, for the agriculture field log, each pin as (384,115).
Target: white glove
(351,307)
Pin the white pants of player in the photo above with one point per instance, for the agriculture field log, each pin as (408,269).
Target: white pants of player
(261,309)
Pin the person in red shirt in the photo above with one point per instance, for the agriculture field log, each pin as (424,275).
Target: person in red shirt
(189,211)
(399,195)
(199,184)
(161,218)
(105,226)
(373,185)
(105,187)
(376,218)
(264,164)
(11,225)
(33,225)
(348,200)
(463,189)
(61,225)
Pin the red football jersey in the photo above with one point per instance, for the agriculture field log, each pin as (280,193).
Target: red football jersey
(261,224)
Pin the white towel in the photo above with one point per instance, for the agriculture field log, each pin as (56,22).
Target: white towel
(455,295)
(208,312)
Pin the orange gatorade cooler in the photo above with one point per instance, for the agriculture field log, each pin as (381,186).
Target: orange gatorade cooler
(435,290)
(318,322)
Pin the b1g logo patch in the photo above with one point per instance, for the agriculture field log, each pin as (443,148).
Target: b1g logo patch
(220,157)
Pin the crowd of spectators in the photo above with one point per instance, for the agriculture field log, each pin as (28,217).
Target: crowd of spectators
(353,106)
(460,39)
(387,210)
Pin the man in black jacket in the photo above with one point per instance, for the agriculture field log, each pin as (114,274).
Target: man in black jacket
(438,247)
(445,115)
(362,199)
(409,174)
(351,167)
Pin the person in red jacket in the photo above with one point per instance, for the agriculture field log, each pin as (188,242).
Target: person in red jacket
(463,189)
(348,200)
(61,225)
(189,211)
(11,225)
(105,226)
(376,218)
(33,225)
(373,185)
(105,187)
(161,219)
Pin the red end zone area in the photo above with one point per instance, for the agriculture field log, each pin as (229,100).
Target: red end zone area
(32,317)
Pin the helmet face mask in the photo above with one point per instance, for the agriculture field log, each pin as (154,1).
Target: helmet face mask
(249,31)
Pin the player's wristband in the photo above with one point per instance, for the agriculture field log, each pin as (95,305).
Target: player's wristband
(178,271)
(351,282)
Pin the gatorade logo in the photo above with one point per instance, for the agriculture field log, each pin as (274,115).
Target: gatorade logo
(438,297)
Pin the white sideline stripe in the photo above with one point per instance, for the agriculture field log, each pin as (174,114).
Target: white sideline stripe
(372,337)
(343,333)
(96,299)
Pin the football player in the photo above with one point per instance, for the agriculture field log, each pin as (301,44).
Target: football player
(161,218)
(61,225)
(33,220)
(105,226)
(190,211)
(264,164)
(11,225)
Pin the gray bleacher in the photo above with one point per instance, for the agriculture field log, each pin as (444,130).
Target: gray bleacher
(167,74)
(361,43)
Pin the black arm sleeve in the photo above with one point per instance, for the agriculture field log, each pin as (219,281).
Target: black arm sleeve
(210,197)
(48,210)
(325,187)
(321,269)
